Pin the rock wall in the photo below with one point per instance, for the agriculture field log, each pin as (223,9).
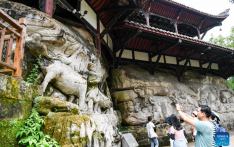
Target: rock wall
(16,98)
(137,95)
(73,72)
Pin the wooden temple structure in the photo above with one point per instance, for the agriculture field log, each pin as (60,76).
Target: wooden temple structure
(153,32)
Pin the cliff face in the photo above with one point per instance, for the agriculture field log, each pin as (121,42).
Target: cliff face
(137,95)
(77,103)
(73,80)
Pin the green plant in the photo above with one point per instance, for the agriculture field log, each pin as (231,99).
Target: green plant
(32,78)
(122,128)
(30,133)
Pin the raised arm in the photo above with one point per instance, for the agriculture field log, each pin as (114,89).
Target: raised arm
(184,116)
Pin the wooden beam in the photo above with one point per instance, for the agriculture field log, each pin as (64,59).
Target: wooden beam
(204,34)
(156,63)
(134,34)
(8,66)
(167,48)
(208,68)
(119,8)
(112,22)
(19,49)
(5,70)
(184,67)
(9,29)
(228,69)
(194,53)
(9,20)
(198,33)
(217,58)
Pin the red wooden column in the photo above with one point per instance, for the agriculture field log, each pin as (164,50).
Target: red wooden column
(19,50)
(48,8)
(98,33)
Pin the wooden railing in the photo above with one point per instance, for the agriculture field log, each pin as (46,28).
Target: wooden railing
(16,32)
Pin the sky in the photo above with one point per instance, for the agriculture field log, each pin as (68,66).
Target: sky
(213,7)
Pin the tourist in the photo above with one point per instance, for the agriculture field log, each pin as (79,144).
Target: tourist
(152,132)
(177,132)
(204,136)
(193,130)
(214,123)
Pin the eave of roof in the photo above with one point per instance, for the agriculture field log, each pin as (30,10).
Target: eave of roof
(149,29)
(224,14)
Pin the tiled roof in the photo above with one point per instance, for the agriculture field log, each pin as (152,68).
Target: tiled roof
(172,34)
(222,14)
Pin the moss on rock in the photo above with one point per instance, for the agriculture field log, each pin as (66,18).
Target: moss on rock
(8,131)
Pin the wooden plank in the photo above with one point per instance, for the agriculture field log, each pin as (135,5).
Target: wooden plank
(8,66)
(8,38)
(9,49)
(5,70)
(10,20)
(2,42)
(9,29)
(19,50)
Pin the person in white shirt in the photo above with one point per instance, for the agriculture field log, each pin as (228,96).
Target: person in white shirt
(151,128)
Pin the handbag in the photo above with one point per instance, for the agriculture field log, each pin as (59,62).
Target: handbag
(152,133)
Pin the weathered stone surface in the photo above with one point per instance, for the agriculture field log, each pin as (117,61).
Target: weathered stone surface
(44,105)
(16,97)
(137,95)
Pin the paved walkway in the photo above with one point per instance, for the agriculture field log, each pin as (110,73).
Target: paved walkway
(191,144)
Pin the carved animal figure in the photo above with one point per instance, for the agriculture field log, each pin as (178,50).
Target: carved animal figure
(98,98)
(66,79)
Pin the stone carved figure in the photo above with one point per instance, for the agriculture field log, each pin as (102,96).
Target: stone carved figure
(69,62)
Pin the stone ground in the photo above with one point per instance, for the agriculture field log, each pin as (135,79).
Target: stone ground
(191,144)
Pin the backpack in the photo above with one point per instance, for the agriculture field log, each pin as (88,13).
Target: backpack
(218,127)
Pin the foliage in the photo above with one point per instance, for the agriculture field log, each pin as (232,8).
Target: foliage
(224,41)
(32,78)
(228,42)
(30,134)
(122,128)
(230,82)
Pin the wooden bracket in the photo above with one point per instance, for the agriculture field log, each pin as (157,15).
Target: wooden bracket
(134,34)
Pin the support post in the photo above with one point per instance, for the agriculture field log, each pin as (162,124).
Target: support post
(150,64)
(2,42)
(9,49)
(48,8)
(133,56)
(198,34)
(147,18)
(175,25)
(19,50)
(98,33)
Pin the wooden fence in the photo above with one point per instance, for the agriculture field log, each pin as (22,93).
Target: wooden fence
(16,32)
